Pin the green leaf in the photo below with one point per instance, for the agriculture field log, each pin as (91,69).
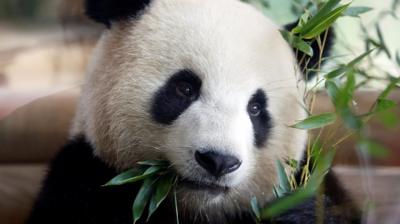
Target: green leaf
(265,3)
(346,94)
(302,21)
(373,149)
(297,43)
(323,12)
(322,167)
(123,177)
(323,23)
(154,163)
(316,151)
(293,163)
(284,184)
(285,203)
(301,194)
(163,187)
(303,46)
(333,90)
(389,88)
(398,58)
(339,71)
(350,119)
(382,42)
(176,206)
(389,119)
(384,104)
(132,176)
(317,121)
(255,208)
(356,11)
(359,58)
(142,198)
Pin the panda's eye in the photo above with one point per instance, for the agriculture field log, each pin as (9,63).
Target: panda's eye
(184,89)
(254,109)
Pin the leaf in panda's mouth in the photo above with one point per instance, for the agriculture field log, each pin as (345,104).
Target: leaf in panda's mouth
(158,179)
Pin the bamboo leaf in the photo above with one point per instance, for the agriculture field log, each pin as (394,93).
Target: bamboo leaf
(333,90)
(317,121)
(388,119)
(346,93)
(297,43)
(392,85)
(383,105)
(132,176)
(398,58)
(163,187)
(321,168)
(382,42)
(154,163)
(301,194)
(125,176)
(373,149)
(341,70)
(322,13)
(325,23)
(142,198)
(303,46)
(337,72)
(284,184)
(356,11)
(359,58)
(350,119)
(255,208)
(285,203)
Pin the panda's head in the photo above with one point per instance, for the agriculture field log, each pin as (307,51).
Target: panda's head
(209,85)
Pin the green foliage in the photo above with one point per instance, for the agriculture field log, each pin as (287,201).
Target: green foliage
(348,67)
(316,17)
(317,121)
(297,43)
(373,148)
(300,194)
(256,209)
(284,187)
(142,198)
(163,188)
(158,180)
(357,11)
(322,20)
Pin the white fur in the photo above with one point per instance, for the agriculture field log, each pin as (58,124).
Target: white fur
(235,50)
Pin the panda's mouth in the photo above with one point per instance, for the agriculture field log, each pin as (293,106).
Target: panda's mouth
(204,186)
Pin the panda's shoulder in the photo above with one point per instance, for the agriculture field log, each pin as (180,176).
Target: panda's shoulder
(76,161)
(72,191)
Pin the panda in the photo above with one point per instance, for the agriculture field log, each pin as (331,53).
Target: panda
(210,86)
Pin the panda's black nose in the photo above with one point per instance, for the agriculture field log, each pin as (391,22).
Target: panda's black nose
(217,164)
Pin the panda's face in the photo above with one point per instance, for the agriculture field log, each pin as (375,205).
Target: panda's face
(208,85)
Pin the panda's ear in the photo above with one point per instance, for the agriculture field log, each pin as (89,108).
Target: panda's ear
(107,11)
(309,63)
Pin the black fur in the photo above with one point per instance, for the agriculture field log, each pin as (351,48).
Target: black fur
(107,11)
(73,194)
(168,104)
(313,61)
(262,122)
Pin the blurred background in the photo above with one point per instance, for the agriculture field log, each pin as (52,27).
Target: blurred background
(45,46)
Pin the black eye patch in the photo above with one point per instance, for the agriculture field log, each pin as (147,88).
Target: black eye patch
(172,99)
(261,120)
